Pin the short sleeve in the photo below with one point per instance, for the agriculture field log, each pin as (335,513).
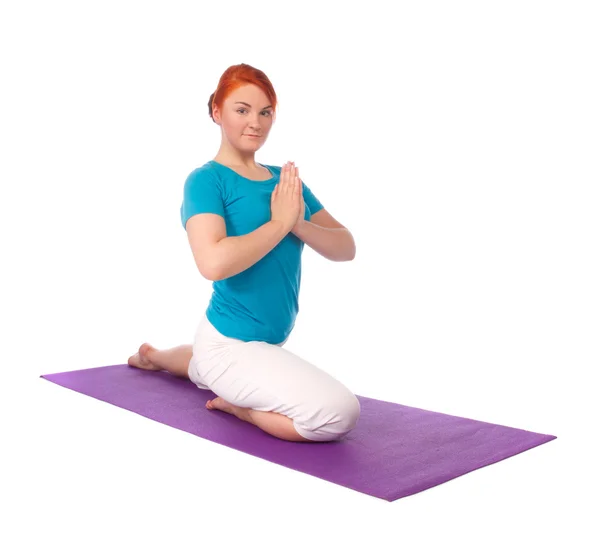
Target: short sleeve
(314,205)
(202,193)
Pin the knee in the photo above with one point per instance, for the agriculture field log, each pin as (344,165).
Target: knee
(343,414)
(348,410)
(332,420)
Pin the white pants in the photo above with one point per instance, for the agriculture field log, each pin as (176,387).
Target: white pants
(266,377)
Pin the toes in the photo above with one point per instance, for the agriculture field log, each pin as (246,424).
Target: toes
(215,404)
(132,360)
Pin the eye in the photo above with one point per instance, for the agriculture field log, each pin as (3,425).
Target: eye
(243,109)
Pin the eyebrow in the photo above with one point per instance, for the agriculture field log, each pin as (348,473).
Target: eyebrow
(248,105)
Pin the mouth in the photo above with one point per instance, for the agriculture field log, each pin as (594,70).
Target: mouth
(254,136)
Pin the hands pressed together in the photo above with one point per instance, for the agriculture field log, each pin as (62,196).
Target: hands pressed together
(287,202)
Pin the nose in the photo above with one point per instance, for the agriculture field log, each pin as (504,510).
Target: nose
(254,128)
(255,120)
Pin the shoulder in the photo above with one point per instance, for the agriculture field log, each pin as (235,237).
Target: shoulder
(275,169)
(205,174)
(207,170)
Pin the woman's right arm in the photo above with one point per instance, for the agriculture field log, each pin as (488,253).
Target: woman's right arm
(219,256)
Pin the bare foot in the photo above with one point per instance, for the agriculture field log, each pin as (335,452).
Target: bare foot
(141,358)
(221,405)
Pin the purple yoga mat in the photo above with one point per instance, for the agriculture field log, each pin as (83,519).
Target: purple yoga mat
(394,450)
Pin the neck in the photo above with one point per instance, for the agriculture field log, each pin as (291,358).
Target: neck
(236,159)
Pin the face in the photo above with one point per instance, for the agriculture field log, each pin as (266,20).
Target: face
(240,120)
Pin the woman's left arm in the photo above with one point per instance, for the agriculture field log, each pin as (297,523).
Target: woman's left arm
(326,236)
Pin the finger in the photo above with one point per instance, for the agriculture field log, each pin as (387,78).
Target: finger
(281,178)
(286,174)
(290,181)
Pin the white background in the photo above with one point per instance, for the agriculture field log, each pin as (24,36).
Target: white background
(459,143)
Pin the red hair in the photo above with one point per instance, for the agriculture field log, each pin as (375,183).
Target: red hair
(239,75)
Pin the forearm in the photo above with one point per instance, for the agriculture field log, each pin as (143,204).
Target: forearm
(238,253)
(333,244)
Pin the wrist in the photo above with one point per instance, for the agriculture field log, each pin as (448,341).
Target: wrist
(299,226)
(282,227)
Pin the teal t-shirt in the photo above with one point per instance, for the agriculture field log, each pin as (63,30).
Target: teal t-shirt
(260,303)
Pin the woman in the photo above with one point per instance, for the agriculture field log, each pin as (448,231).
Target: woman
(247,224)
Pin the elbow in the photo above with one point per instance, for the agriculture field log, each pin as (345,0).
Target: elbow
(348,256)
(211,272)
(217,272)
(351,250)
